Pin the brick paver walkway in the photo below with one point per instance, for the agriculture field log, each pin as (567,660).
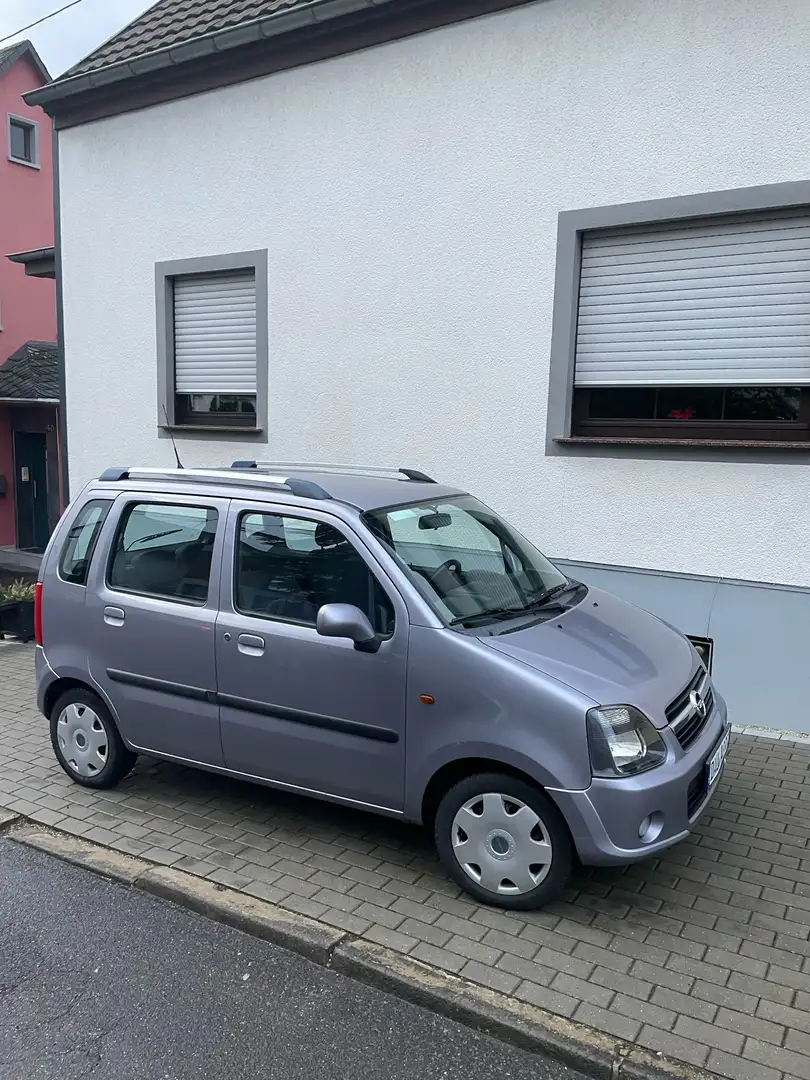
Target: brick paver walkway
(703,955)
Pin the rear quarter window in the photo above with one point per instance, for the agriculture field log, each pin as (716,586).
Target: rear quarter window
(77,550)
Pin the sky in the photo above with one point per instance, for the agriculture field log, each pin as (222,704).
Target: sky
(67,38)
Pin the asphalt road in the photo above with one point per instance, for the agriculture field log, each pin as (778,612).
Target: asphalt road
(100,981)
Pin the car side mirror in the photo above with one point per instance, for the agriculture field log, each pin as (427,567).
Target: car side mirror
(347,621)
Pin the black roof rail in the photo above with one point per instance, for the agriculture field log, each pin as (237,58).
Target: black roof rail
(115,473)
(418,476)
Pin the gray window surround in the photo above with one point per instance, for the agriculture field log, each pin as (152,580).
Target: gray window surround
(33,127)
(571,224)
(165,272)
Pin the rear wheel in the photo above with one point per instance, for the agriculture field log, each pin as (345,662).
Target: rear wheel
(504,841)
(86,741)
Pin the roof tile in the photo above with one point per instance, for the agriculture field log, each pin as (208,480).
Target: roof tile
(31,373)
(174,22)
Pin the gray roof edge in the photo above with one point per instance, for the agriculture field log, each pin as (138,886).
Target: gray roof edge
(17,51)
(229,37)
(34,255)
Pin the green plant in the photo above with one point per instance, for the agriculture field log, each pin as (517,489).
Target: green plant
(18,590)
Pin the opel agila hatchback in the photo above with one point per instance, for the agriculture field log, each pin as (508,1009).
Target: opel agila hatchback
(375,639)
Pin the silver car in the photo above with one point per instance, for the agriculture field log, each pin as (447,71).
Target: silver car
(376,639)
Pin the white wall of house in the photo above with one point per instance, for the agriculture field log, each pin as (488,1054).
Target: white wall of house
(408,198)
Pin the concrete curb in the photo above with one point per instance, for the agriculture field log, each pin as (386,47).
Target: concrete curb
(497,1014)
(255,917)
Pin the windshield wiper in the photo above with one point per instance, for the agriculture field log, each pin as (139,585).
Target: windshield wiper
(549,594)
(543,601)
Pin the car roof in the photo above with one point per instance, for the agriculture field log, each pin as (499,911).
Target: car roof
(368,492)
(364,489)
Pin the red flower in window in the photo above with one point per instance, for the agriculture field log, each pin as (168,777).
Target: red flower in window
(681,414)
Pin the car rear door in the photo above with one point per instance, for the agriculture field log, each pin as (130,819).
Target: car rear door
(303,710)
(151,612)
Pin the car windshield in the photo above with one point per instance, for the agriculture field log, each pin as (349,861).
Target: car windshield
(469,564)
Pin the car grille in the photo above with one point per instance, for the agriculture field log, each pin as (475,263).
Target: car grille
(695,794)
(685,720)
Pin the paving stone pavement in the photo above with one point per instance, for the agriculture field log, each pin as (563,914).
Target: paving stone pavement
(703,955)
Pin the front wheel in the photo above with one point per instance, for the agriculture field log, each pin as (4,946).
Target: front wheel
(504,841)
(86,741)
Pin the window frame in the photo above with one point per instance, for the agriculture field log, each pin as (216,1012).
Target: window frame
(268,510)
(106,505)
(170,420)
(766,431)
(124,513)
(33,128)
(645,438)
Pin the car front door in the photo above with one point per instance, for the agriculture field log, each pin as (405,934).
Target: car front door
(151,606)
(296,708)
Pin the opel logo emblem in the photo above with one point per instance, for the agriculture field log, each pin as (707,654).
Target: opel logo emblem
(698,704)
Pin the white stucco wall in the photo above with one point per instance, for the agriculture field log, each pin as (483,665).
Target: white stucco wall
(408,197)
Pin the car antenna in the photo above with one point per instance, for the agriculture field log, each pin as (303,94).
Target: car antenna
(174,444)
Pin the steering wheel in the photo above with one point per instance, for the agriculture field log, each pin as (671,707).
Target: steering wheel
(451,566)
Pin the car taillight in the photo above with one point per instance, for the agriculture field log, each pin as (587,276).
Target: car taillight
(38,613)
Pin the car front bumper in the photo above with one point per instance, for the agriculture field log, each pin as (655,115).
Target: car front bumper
(605,821)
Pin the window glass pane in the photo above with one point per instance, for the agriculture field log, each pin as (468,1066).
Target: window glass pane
(463,558)
(631,403)
(165,551)
(74,564)
(221,403)
(763,403)
(232,410)
(690,403)
(287,568)
(21,138)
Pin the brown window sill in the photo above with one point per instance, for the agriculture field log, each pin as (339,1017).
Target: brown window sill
(724,444)
(231,429)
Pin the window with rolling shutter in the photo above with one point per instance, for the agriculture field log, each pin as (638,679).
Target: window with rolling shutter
(212,343)
(712,302)
(215,333)
(677,325)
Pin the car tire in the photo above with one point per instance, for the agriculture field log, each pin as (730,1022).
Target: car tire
(504,841)
(86,741)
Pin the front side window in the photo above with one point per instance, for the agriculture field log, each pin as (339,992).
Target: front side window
(164,551)
(22,141)
(468,563)
(77,552)
(288,567)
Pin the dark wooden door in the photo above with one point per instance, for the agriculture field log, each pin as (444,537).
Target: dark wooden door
(31,490)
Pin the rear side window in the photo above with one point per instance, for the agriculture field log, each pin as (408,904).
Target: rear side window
(163,550)
(77,551)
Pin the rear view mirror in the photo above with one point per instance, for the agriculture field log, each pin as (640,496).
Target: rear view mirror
(347,621)
(435,521)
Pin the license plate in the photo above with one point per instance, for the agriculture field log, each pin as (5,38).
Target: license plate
(715,763)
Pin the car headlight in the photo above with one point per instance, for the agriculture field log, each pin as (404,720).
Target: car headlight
(622,741)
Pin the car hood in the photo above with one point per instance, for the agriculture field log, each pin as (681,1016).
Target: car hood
(608,650)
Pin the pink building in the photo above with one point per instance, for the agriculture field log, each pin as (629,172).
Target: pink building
(30,498)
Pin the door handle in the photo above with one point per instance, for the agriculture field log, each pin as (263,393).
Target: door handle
(114,616)
(250,644)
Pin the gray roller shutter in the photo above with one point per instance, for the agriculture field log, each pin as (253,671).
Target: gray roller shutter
(719,301)
(215,333)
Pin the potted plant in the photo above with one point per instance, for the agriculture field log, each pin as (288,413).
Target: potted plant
(17,609)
